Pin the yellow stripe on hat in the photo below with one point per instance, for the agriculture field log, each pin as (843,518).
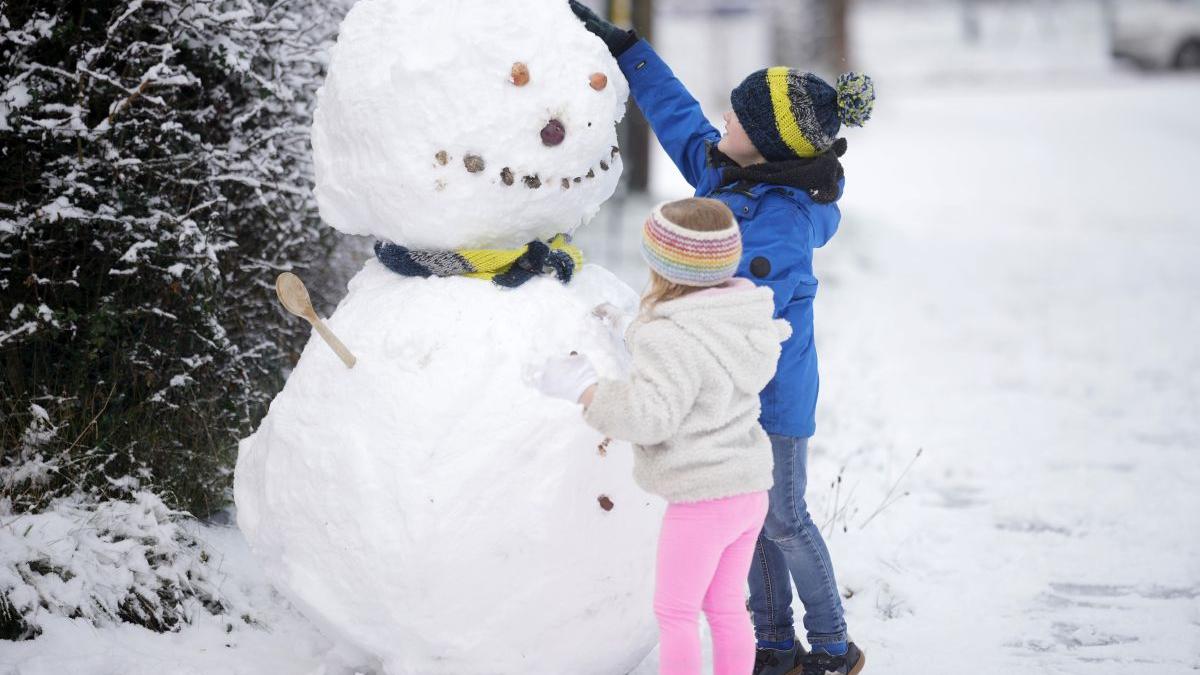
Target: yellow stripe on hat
(785,121)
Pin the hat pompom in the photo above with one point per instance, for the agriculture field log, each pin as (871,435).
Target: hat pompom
(855,98)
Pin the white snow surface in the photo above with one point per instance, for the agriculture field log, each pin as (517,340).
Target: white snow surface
(277,641)
(410,79)
(1007,294)
(433,507)
(1023,304)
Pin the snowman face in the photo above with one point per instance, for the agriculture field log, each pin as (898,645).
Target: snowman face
(449,124)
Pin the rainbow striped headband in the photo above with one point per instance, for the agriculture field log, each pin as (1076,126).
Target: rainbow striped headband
(688,257)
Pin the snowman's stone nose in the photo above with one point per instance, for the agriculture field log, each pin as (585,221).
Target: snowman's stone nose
(553,133)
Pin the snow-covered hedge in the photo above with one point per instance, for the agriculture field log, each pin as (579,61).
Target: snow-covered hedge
(133,561)
(155,180)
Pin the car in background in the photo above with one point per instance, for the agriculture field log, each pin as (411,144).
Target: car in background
(1157,33)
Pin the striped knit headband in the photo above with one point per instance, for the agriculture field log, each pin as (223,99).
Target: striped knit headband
(689,257)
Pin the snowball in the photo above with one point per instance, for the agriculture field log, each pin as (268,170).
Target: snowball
(432,507)
(422,136)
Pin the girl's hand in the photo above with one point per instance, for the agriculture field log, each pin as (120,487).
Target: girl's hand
(565,377)
(614,319)
(616,39)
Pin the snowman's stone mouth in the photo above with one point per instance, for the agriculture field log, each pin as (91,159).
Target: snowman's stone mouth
(533,181)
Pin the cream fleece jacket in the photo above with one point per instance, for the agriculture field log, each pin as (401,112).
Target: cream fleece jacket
(690,405)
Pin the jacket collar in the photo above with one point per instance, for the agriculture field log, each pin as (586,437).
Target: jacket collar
(819,177)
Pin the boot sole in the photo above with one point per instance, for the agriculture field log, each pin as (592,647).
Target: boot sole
(862,661)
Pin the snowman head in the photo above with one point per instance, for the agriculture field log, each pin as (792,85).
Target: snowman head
(448,124)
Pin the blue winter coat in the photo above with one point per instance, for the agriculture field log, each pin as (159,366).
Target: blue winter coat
(779,224)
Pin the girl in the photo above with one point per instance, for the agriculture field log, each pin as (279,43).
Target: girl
(703,347)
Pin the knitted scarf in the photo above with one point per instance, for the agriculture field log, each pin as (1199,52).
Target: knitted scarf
(504,267)
(818,175)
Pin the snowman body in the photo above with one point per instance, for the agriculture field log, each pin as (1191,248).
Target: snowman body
(429,505)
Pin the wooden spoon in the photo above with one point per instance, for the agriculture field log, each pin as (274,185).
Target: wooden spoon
(294,297)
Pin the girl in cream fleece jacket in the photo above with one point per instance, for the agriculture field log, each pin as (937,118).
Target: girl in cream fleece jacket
(703,348)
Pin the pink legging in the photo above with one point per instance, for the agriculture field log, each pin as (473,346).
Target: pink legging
(704,553)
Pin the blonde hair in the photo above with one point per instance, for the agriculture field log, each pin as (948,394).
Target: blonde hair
(698,214)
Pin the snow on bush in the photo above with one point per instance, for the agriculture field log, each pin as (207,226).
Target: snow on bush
(134,561)
(156,178)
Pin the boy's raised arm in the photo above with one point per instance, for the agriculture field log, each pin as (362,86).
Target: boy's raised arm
(673,112)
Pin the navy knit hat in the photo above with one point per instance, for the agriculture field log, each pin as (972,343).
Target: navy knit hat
(790,114)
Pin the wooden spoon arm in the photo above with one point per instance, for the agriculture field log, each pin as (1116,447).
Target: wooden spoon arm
(332,340)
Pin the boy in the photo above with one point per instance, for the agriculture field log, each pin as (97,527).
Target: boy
(777,169)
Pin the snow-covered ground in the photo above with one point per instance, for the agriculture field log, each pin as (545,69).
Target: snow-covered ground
(1019,297)
(277,641)
(1015,293)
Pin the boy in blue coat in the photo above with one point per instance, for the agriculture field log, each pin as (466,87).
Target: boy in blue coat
(777,169)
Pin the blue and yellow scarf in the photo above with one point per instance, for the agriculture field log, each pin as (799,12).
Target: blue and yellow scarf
(504,267)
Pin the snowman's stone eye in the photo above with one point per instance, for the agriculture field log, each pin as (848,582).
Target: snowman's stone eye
(520,74)
(599,81)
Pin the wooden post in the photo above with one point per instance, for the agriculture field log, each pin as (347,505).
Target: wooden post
(1109,12)
(971,27)
(635,130)
(839,39)
(637,163)
(811,35)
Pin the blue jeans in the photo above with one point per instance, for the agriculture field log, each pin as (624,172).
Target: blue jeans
(790,549)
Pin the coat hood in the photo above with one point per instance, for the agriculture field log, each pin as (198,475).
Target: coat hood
(736,323)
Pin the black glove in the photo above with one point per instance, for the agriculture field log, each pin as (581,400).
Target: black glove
(618,40)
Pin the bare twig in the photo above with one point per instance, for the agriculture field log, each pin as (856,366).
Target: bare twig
(92,423)
(831,515)
(888,498)
(843,513)
(128,101)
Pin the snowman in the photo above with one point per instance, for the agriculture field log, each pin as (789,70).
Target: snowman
(429,504)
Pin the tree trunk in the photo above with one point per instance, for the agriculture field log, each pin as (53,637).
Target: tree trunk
(840,35)
(639,14)
(971,28)
(811,34)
